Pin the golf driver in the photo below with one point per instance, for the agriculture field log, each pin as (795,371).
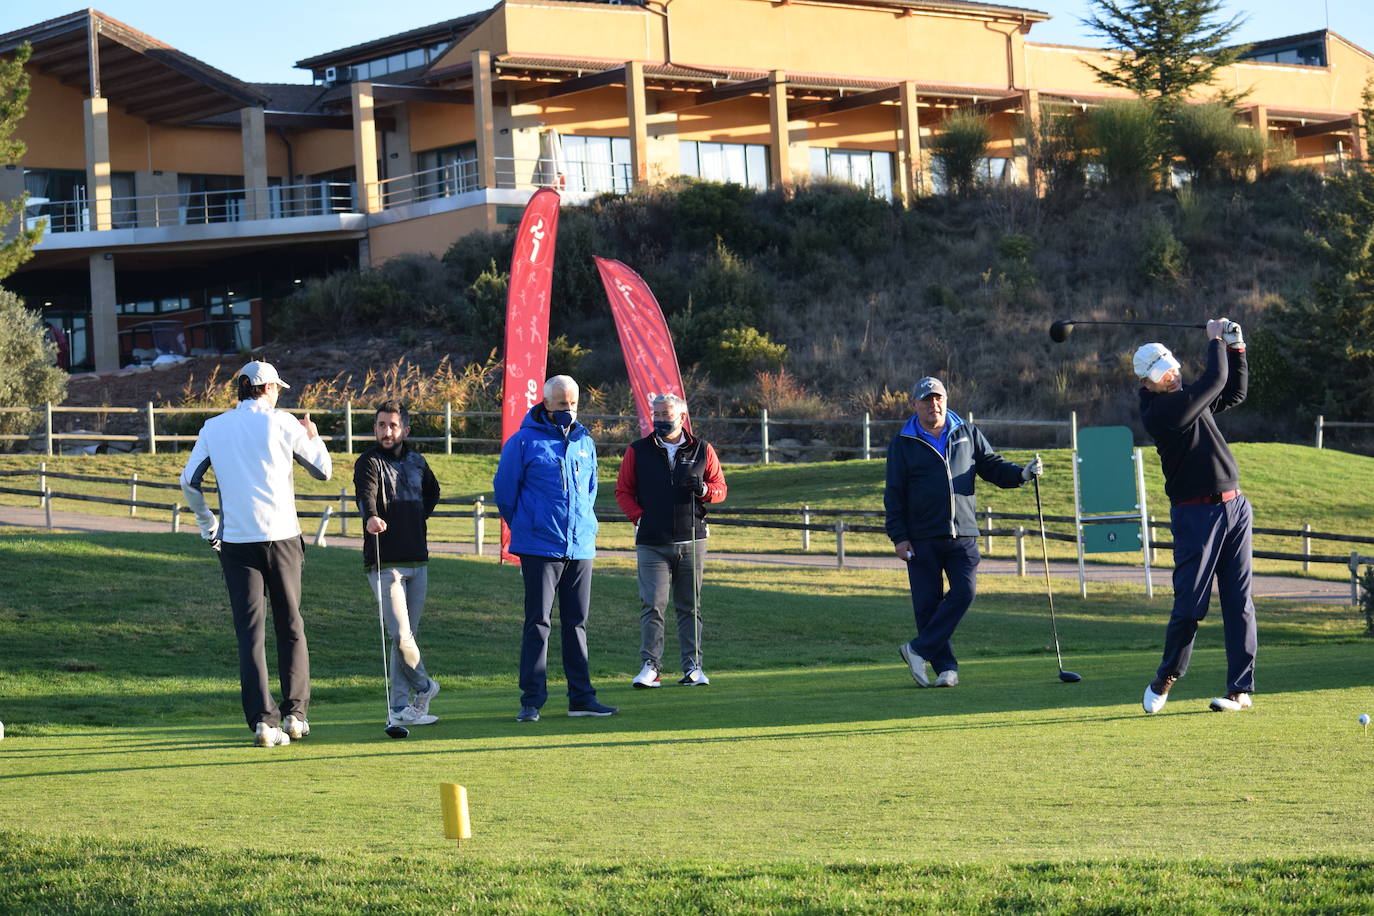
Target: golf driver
(392,730)
(1068,677)
(1061,329)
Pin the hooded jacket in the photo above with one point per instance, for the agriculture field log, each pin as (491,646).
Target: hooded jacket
(545,487)
(929,495)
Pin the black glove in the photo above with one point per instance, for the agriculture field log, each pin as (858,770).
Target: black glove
(689,479)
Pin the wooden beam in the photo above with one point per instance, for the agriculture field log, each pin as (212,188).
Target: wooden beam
(385,92)
(292,120)
(712,96)
(612,77)
(848,103)
(1340,125)
(1006,103)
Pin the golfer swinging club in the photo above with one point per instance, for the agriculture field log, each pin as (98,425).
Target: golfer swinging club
(253,450)
(665,481)
(1210,517)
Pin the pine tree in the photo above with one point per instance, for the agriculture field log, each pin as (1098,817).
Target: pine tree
(14,96)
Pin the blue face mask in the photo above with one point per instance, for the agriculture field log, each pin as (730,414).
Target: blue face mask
(563,418)
(665,428)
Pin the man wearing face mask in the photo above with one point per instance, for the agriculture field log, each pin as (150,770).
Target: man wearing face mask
(545,487)
(1209,516)
(666,480)
(931,466)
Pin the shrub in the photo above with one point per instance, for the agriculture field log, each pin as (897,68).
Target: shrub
(738,352)
(1058,149)
(959,148)
(706,212)
(1126,140)
(28,370)
(1246,153)
(1203,135)
(1162,256)
(565,357)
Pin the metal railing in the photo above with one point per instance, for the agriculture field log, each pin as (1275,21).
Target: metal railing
(198,207)
(1322,423)
(454,178)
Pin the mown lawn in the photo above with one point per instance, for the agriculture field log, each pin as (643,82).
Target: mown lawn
(812,776)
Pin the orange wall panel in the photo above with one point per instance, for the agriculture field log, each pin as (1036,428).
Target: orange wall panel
(434,126)
(426,235)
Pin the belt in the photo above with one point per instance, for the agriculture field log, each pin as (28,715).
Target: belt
(1211,499)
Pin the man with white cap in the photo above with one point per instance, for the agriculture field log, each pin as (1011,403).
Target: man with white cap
(252,450)
(1210,518)
(931,465)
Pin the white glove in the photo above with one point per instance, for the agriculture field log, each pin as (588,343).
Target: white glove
(1232,335)
(1034,469)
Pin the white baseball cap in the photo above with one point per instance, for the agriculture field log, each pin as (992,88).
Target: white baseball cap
(1154,361)
(262,373)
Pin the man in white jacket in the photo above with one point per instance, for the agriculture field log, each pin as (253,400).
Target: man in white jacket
(252,450)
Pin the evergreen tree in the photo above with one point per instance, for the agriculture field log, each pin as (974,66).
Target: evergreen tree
(14,96)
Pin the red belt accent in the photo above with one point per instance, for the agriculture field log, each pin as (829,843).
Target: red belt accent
(1211,499)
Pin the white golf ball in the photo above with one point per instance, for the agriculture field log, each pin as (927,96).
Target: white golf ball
(1364,718)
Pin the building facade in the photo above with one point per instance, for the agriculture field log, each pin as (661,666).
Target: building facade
(178,198)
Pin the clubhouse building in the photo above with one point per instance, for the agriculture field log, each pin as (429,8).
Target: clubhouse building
(178,198)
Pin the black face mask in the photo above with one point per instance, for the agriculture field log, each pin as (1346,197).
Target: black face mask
(665,428)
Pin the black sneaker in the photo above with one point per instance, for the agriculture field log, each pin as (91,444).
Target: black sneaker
(591,708)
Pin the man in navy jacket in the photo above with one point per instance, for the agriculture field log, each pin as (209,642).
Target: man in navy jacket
(545,487)
(929,499)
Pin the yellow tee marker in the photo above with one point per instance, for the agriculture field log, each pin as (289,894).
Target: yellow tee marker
(454,800)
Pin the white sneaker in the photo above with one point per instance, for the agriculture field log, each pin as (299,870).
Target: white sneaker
(270,736)
(296,727)
(412,715)
(915,663)
(694,677)
(1157,694)
(948,678)
(422,698)
(647,677)
(1232,702)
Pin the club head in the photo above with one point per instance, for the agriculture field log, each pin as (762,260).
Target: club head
(1060,330)
(400,731)
(1068,677)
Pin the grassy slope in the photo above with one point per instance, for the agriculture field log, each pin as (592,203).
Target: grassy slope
(1289,485)
(810,776)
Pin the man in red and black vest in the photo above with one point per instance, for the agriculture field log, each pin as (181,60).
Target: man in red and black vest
(666,480)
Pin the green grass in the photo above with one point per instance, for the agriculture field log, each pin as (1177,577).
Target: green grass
(1288,485)
(812,776)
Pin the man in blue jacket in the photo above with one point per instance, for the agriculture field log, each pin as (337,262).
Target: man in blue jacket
(930,517)
(545,488)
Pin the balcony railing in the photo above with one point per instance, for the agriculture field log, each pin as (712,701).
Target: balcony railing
(196,207)
(511,174)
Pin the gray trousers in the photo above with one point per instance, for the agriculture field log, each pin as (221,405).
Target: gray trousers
(664,568)
(403,601)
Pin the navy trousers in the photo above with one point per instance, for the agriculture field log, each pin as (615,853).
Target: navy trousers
(570,581)
(938,611)
(1212,543)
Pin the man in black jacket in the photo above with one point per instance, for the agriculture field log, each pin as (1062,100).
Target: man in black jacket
(396,492)
(929,499)
(1210,518)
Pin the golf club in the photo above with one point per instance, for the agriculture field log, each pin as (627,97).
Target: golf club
(392,730)
(1068,677)
(1061,329)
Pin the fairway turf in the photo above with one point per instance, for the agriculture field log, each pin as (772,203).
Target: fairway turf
(812,775)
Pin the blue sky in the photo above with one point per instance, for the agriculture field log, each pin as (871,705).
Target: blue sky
(260,40)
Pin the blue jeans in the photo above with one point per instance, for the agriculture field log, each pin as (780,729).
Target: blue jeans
(938,611)
(571,582)
(1212,542)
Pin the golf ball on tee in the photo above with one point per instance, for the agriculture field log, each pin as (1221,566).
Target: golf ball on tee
(1364,718)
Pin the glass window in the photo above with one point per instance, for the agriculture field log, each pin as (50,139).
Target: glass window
(446,171)
(597,164)
(415,58)
(870,169)
(740,163)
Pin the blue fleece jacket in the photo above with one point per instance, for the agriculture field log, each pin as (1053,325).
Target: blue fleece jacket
(545,487)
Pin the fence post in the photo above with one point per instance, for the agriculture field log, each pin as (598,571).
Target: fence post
(1354,578)
(1073,430)
(1306,546)
(839,543)
(806,532)
(343,513)
(448,427)
(324,523)
(47,427)
(152,431)
(348,427)
(868,436)
(176,518)
(479,524)
(763,433)
(1150,535)
(133,494)
(47,507)
(42,480)
(987,528)
(1319,432)
(1021,550)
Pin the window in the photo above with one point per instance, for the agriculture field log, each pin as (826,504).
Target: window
(446,171)
(870,169)
(210,198)
(740,163)
(392,63)
(989,170)
(61,196)
(597,164)
(1312,54)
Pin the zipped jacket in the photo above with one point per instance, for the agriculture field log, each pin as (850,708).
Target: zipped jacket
(402,491)
(929,495)
(649,489)
(545,487)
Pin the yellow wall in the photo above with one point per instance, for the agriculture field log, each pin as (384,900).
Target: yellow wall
(435,126)
(428,234)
